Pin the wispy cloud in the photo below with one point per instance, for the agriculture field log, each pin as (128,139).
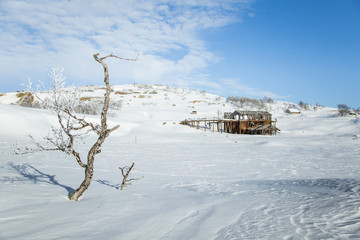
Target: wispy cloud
(236,87)
(36,35)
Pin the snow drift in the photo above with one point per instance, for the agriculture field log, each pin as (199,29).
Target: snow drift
(301,184)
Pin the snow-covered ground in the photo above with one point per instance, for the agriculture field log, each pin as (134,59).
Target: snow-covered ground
(303,183)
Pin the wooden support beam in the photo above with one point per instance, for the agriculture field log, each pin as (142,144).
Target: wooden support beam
(254,123)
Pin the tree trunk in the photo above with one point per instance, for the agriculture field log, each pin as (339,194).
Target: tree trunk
(103,133)
(89,169)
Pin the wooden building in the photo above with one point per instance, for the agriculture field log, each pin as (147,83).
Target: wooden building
(238,122)
(292,111)
(251,122)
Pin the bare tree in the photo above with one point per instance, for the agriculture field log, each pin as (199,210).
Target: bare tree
(304,105)
(125,172)
(73,128)
(343,109)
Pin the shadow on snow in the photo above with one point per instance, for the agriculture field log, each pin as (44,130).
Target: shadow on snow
(29,173)
(107,183)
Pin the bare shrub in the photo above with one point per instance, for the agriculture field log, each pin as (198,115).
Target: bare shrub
(26,99)
(125,172)
(268,100)
(77,104)
(245,102)
(318,106)
(343,109)
(304,105)
(116,105)
(87,108)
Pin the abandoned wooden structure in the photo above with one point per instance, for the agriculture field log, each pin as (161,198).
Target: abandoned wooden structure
(238,122)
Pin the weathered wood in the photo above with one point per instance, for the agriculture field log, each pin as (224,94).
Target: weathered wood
(247,122)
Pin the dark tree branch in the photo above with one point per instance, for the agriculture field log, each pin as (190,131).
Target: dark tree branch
(125,172)
(114,56)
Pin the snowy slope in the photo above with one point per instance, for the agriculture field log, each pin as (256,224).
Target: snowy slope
(303,183)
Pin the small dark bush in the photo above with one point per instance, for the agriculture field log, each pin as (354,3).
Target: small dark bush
(304,105)
(343,109)
(243,102)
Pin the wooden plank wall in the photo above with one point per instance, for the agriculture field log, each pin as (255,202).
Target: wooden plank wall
(229,126)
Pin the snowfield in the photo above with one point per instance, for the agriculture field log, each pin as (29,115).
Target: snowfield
(303,183)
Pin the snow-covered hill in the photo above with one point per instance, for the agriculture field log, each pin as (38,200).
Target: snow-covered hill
(303,183)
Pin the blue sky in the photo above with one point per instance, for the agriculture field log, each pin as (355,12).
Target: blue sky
(289,50)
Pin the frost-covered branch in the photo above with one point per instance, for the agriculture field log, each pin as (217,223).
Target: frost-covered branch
(73,128)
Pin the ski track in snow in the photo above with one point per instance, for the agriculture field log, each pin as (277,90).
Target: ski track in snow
(301,184)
